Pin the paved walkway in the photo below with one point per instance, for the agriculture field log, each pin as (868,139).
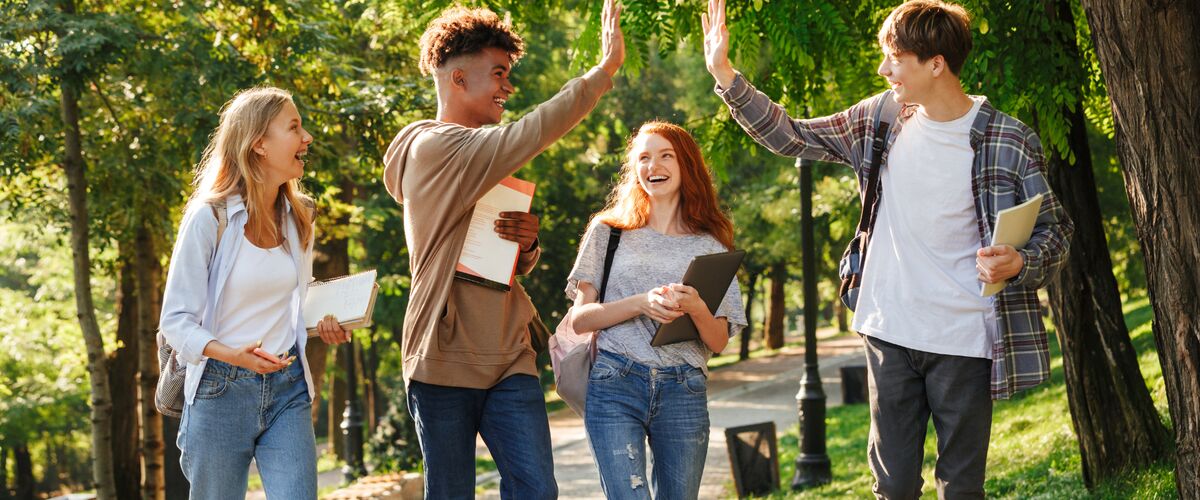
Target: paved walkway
(752,391)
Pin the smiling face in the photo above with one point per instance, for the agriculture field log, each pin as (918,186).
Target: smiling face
(657,165)
(282,149)
(481,87)
(911,80)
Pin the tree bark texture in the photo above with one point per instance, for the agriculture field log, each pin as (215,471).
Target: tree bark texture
(23,470)
(122,372)
(1150,57)
(75,169)
(149,276)
(778,304)
(748,332)
(1113,414)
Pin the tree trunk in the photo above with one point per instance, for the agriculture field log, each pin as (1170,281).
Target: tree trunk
(839,310)
(73,165)
(23,471)
(764,297)
(51,474)
(367,360)
(4,495)
(175,484)
(332,260)
(1114,417)
(122,372)
(744,353)
(337,404)
(1150,57)
(149,275)
(778,304)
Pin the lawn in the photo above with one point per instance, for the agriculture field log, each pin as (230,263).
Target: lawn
(1033,452)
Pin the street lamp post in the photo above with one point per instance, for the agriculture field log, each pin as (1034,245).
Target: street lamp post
(812,464)
(352,424)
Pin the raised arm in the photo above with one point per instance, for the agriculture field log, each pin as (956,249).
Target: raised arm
(493,153)
(833,138)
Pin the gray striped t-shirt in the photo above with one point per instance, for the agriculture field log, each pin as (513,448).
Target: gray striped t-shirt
(646,259)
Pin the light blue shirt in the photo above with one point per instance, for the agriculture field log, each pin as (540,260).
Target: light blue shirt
(196,279)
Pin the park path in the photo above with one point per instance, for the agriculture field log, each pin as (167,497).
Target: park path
(752,391)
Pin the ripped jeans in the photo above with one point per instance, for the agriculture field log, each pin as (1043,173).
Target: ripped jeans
(628,403)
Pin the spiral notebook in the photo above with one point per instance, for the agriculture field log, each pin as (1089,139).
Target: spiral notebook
(350,298)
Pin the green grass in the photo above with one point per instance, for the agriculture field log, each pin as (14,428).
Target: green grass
(1033,451)
(731,356)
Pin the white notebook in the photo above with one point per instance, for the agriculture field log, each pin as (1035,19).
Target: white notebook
(1014,226)
(350,298)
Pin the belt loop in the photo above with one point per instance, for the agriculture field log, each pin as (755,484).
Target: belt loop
(628,366)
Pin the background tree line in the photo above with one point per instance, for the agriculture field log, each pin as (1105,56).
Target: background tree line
(106,106)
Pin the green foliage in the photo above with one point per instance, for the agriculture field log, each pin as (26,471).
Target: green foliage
(153,75)
(394,446)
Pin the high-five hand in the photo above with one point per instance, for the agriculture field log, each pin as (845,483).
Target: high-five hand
(716,43)
(612,42)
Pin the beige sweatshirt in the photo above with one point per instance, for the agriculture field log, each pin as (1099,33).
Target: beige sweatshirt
(456,333)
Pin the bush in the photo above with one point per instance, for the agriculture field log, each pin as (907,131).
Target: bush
(394,447)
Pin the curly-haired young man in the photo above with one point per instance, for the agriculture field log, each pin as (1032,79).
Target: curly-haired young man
(948,165)
(468,363)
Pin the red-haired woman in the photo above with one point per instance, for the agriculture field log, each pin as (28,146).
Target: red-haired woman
(666,210)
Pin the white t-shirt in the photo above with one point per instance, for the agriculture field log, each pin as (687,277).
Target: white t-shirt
(258,298)
(920,287)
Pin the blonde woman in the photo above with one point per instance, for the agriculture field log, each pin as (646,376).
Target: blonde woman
(231,308)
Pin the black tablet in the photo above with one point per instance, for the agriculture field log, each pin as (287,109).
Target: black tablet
(711,276)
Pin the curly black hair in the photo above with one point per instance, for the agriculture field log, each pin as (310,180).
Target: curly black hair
(460,31)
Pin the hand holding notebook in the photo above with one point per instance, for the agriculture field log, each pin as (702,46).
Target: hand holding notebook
(349,298)
(1014,227)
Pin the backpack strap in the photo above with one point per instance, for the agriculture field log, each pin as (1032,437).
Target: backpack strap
(221,212)
(614,239)
(885,115)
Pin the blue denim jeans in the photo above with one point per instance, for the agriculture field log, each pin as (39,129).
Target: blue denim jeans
(239,415)
(511,417)
(628,403)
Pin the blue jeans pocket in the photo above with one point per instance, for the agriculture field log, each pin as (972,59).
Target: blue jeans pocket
(602,371)
(696,382)
(211,386)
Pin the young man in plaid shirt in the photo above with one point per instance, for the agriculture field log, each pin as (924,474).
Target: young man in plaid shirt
(951,162)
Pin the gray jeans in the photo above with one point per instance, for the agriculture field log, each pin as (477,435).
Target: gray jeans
(906,387)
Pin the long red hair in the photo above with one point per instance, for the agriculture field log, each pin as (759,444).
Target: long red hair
(628,204)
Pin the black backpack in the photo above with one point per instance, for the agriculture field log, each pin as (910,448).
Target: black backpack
(853,259)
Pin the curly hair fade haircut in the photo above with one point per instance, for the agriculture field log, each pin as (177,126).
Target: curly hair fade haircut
(460,31)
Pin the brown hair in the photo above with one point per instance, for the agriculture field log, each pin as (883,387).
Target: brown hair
(928,28)
(629,206)
(460,31)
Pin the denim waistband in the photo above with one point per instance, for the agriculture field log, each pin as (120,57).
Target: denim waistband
(231,372)
(627,366)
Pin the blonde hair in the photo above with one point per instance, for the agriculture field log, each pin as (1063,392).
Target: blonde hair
(230,166)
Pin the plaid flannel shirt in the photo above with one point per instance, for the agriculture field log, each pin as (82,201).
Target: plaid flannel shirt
(1007,171)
